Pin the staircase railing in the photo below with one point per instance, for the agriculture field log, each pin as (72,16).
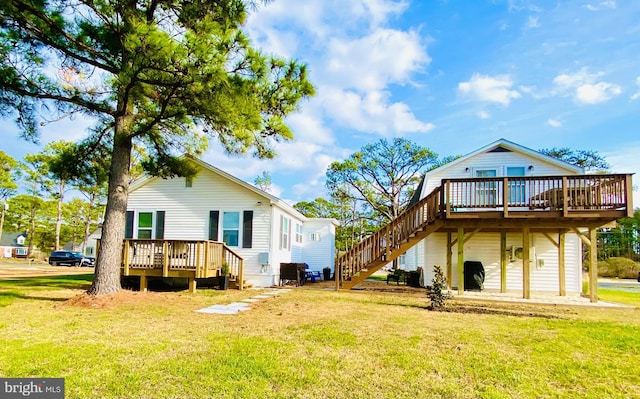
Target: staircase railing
(379,247)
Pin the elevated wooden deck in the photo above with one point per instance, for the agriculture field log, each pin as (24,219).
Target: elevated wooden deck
(542,203)
(192,259)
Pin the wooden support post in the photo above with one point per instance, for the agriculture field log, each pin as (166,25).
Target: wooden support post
(505,197)
(336,273)
(143,283)
(503,261)
(593,266)
(526,265)
(192,285)
(125,261)
(561,264)
(165,259)
(460,261)
(449,261)
(241,275)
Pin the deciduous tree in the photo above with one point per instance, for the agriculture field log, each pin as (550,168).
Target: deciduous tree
(163,74)
(382,175)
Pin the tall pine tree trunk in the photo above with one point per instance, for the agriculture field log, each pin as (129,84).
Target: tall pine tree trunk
(107,271)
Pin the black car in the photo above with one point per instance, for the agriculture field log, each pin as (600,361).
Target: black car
(68,258)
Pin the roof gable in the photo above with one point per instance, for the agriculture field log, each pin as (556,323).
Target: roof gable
(146,179)
(504,145)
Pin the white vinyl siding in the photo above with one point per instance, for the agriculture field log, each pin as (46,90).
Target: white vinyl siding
(485,248)
(187,213)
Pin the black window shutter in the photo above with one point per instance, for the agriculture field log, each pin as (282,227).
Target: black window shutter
(247,229)
(128,229)
(159,225)
(213,225)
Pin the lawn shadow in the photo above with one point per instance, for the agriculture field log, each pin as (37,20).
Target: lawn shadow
(76,281)
(7,297)
(498,309)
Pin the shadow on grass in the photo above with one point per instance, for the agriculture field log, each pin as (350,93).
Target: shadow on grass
(77,281)
(515,310)
(7,297)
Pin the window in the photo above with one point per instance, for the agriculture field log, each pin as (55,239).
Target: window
(231,228)
(314,236)
(486,190)
(188,182)
(516,187)
(21,251)
(145,224)
(298,233)
(284,232)
(20,240)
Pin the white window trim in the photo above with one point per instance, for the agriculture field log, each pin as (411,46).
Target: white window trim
(299,233)
(240,224)
(136,221)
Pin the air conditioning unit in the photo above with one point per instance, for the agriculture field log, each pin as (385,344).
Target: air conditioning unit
(515,253)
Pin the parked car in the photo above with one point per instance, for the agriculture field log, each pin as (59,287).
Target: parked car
(88,261)
(69,258)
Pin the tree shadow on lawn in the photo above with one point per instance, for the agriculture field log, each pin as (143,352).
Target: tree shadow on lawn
(77,281)
(494,309)
(7,297)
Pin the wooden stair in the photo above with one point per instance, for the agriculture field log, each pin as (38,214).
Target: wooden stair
(391,241)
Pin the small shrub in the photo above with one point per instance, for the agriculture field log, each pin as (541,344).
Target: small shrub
(619,268)
(438,294)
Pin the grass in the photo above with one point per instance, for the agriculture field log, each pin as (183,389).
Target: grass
(314,344)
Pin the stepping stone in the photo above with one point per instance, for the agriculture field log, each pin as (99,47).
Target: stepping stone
(262,296)
(251,300)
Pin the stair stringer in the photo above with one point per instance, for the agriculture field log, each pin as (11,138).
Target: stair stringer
(377,264)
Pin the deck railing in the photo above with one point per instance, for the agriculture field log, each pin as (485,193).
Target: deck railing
(204,258)
(581,195)
(583,192)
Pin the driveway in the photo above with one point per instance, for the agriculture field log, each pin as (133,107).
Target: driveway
(619,284)
(12,270)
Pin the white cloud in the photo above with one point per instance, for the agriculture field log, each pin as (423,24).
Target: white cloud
(495,89)
(597,93)
(584,88)
(532,22)
(611,4)
(636,95)
(371,112)
(554,122)
(373,61)
(483,115)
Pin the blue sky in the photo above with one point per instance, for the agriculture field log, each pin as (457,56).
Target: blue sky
(452,76)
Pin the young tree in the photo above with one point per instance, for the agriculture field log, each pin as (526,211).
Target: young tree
(166,75)
(263,181)
(382,175)
(590,160)
(8,185)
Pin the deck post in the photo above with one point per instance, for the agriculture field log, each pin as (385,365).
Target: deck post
(460,260)
(561,264)
(449,261)
(593,266)
(125,261)
(503,260)
(143,283)
(192,285)
(165,259)
(241,275)
(526,265)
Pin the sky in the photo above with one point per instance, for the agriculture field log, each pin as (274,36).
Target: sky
(452,76)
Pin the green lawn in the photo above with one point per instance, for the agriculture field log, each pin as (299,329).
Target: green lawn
(313,344)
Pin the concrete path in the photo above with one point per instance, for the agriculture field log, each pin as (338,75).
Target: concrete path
(244,305)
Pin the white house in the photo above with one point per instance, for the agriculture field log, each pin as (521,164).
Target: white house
(214,205)
(502,158)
